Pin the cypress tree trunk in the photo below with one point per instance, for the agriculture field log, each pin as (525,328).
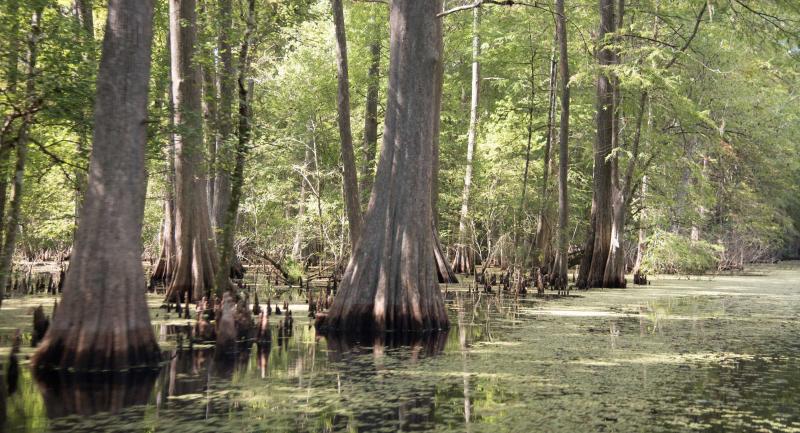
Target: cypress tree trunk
(11,77)
(614,271)
(390,282)
(237,180)
(444,272)
(297,244)
(83,12)
(21,147)
(599,238)
(543,251)
(641,245)
(210,112)
(559,278)
(615,267)
(351,194)
(462,263)
(165,265)
(102,322)
(195,251)
(227,84)
(371,111)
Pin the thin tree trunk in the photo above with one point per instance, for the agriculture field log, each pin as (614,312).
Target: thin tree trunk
(390,282)
(195,252)
(226,330)
(227,85)
(21,147)
(351,194)
(83,12)
(559,278)
(641,245)
(615,267)
(371,111)
(542,253)
(237,180)
(462,262)
(102,322)
(297,244)
(210,116)
(444,272)
(164,267)
(614,270)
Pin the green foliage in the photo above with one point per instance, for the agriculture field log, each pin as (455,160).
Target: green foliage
(718,146)
(670,253)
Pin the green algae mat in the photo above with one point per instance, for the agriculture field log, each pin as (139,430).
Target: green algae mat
(712,354)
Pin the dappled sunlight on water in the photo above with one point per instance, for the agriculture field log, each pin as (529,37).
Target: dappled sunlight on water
(709,354)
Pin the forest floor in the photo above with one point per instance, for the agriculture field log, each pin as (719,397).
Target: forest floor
(711,353)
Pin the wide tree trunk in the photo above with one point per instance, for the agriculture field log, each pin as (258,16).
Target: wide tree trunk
(559,278)
(195,250)
(21,147)
(102,322)
(601,218)
(390,282)
(11,77)
(371,110)
(462,262)
(351,194)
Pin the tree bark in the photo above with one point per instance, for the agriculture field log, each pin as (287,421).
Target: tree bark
(21,147)
(444,271)
(601,215)
(210,115)
(559,278)
(390,282)
(371,111)
(543,250)
(297,243)
(351,194)
(227,84)
(462,263)
(83,12)
(195,252)
(641,245)
(102,322)
(237,180)
(164,267)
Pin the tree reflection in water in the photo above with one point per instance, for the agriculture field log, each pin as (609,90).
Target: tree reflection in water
(67,393)
(411,407)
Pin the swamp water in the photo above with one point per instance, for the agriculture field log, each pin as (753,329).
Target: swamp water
(710,354)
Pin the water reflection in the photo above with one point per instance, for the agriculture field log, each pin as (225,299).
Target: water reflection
(88,394)
(658,363)
(369,366)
